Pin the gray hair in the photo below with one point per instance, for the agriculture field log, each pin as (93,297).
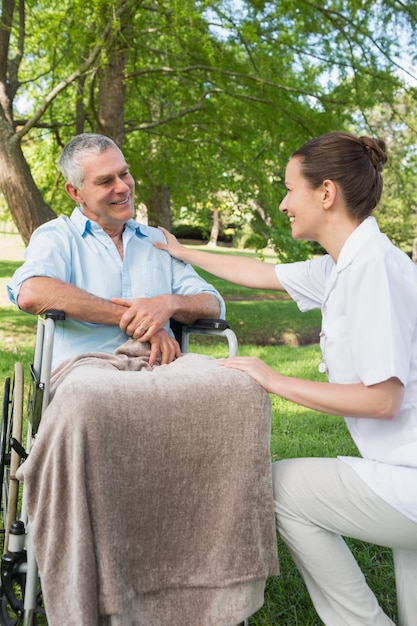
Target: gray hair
(77,148)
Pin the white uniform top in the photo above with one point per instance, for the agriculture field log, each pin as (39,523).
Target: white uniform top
(368,301)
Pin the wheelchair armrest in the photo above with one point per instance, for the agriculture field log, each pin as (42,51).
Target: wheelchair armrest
(205,326)
(209,323)
(54,314)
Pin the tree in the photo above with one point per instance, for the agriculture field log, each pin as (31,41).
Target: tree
(23,197)
(15,173)
(204,96)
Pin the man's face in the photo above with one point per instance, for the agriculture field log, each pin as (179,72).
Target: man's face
(107,196)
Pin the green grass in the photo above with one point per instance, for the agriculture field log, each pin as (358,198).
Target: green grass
(17,338)
(272,328)
(264,317)
(8,267)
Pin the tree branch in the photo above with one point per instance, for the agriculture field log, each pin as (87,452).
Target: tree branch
(84,68)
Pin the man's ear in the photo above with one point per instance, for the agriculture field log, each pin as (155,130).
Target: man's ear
(73,192)
(329,193)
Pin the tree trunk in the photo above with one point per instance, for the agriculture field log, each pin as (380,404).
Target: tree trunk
(414,253)
(214,234)
(111,80)
(159,207)
(23,198)
(111,100)
(79,106)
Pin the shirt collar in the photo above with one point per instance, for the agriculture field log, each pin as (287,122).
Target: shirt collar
(356,241)
(84,225)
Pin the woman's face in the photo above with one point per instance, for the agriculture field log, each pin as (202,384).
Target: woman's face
(302,204)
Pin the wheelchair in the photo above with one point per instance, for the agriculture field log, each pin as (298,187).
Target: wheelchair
(21,602)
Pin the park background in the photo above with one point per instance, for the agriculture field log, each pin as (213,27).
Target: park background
(208,99)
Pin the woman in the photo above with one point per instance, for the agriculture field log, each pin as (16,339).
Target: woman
(366,289)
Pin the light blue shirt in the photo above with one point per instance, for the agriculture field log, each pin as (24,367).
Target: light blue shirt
(76,250)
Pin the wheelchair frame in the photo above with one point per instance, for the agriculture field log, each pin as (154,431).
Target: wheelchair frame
(20,588)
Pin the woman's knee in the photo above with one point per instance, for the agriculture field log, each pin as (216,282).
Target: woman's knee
(289,477)
(288,486)
(299,483)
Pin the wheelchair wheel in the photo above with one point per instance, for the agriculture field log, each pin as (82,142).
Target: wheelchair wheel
(11,427)
(3,435)
(8,616)
(11,604)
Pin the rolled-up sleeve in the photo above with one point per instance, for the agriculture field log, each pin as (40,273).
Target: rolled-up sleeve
(47,255)
(186,281)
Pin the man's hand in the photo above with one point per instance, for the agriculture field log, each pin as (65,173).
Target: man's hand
(144,317)
(163,344)
(144,320)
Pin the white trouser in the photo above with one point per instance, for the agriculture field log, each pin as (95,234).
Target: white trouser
(317,501)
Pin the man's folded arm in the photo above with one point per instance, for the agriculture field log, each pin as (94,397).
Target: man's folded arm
(42,293)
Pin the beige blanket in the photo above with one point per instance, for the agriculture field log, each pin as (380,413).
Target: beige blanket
(150,480)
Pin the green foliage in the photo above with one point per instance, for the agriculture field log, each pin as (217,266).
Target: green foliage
(217,95)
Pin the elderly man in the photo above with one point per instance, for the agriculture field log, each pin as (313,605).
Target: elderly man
(101,268)
(148,488)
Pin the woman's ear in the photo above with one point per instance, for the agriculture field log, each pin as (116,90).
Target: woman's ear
(329,191)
